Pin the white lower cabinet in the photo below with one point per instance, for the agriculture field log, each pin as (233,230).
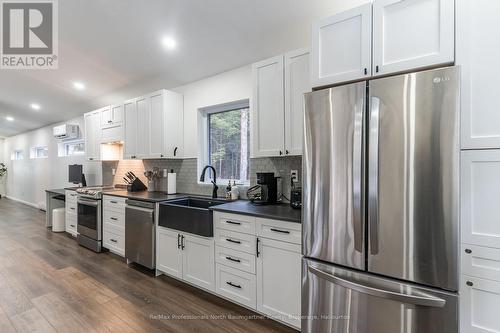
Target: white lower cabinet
(71,216)
(279,280)
(198,261)
(236,285)
(480,301)
(187,257)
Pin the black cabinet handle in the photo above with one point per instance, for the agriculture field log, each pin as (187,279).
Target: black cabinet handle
(72,225)
(232,259)
(114,202)
(175,151)
(376,69)
(280,231)
(178,241)
(234,285)
(287,152)
(232,222)
(161,155)
(366,71)
(91,158)
(469,283)
(114,218)
(281,153)
(257,247)
(468,251)
(113,240)
(182,242)
(233,241)
(72,208)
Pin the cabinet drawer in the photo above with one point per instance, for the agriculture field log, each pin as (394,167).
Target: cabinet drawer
(114,242)
(116,204)
(71,223)
(113,228)
(280,230)
(235,240)
(71,207)
(113,217)
(479,303)
(236,285)
(235,222)
(71,196)
(483,262)
(235,259)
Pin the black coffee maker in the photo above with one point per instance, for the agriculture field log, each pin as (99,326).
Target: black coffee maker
(266,190)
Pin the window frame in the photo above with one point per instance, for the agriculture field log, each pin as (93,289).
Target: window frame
(34,152)
(63,148)
(17,155)
(204,137)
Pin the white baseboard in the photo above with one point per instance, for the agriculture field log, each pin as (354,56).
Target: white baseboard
(23,202)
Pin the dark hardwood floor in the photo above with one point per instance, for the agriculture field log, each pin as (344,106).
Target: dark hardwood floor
(50,284)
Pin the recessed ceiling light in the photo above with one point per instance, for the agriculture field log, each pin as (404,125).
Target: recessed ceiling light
(9,118)
(35,106)
(78,85)
(169,43)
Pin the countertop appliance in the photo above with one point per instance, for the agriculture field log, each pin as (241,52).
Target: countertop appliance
(89,217)
(296,198)
(140,232)
(266,190)
(388,147)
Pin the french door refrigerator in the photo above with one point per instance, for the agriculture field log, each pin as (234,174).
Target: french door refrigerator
(380,210)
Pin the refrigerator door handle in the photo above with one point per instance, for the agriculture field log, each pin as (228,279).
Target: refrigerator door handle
(357,180)
(418,298)
(373,173)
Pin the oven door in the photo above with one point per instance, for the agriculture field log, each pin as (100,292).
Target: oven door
(89,218)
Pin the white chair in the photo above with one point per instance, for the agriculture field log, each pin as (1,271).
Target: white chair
(59,220)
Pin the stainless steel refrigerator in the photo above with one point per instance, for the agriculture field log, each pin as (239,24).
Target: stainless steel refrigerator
(380,210)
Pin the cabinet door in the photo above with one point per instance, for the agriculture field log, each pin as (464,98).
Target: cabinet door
(93,135)
(143,126)
(106,117)
(174,125)
(156,125)
(478,49)
(297,83)
(198,265)
(409,34)
(341,47)
(117,114)
(168,252)
(479,304)
(130,111)
(268,108)
(279,280)
(480,197)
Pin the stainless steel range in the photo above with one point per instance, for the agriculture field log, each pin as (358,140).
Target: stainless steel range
(90,217)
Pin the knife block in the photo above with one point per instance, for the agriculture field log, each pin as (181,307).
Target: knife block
(136,186)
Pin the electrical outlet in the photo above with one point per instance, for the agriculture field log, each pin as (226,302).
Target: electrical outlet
(294,174)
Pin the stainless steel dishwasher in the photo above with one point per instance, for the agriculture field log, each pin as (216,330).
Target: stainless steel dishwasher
(140,232)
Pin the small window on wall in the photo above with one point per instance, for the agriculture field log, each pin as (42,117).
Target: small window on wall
(227,146)
(74,148)
(17,155)
(39,152)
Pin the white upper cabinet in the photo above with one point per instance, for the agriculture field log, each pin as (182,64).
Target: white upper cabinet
(341,47)
(268,107)
(478,49)
(278,107)
(130,115)
(154,126)
(112,116)
(409,34)
(480,190)
(297,83)
(93,135)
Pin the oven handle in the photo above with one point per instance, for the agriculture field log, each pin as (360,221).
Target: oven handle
(92,203)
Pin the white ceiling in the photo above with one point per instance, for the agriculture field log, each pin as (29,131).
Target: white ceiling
(112,45)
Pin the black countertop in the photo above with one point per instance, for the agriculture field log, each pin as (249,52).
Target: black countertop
(145,195)
(278,212)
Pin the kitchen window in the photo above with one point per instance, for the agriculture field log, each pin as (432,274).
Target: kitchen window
(226,144)
(74,148)
(39,152)
(17,155)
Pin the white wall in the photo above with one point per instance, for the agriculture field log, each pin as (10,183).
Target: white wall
(222,88)
(28,179)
